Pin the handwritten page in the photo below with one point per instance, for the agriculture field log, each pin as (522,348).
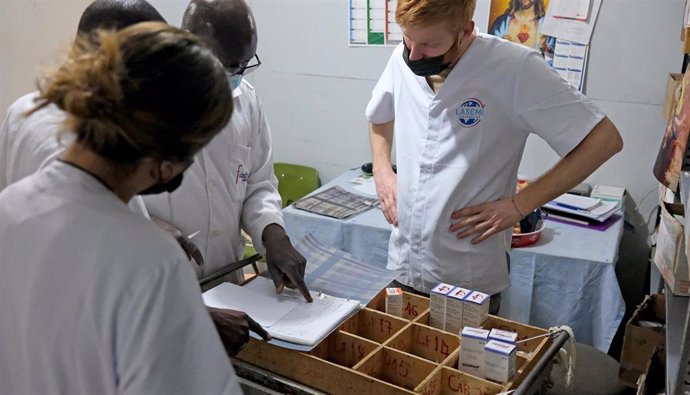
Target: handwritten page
(264,309)
(286,316)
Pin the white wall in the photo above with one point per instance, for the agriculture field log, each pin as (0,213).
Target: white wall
(33,34)
(315,88)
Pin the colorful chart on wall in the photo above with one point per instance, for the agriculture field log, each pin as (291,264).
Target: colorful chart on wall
(372,23)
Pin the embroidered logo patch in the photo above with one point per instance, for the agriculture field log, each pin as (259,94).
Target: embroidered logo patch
(242,174)
(470,112)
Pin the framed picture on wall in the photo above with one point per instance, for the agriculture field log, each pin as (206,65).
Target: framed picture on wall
(675,142)
(520,21)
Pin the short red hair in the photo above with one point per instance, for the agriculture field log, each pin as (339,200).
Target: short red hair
(457,13)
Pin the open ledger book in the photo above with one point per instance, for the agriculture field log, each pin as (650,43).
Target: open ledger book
(286,317)
(340,285)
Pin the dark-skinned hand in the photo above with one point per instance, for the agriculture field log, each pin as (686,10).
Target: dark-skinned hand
(192,251)
(233,327)
(285,264)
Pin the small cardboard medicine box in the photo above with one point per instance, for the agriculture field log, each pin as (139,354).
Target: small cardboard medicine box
(499,361)
(641,338)
(437,301)
(503,336)
(472,342)
(476,309)
(394,301)
(454,309)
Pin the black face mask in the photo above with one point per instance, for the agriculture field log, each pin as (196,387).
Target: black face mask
(161,187)
(426,66)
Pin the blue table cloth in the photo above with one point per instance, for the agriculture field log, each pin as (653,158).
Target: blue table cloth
(566,278)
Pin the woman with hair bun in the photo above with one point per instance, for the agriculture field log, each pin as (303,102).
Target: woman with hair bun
(95,298)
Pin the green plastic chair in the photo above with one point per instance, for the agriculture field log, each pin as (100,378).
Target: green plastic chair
(295,181)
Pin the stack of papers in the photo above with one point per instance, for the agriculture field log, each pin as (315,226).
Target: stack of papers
(287,316)
(582,207)
(294,323)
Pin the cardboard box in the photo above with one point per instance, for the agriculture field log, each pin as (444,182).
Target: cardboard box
(499,361)
(472,342)
(376,353)
(437,302)
(670,256)
(394,301)
(672,92)
(476,309)
(454,309)
(640,339)
(503,336)
(653,380)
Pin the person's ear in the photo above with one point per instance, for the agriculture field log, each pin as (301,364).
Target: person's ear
(467,30)
(167,171)
(152,167)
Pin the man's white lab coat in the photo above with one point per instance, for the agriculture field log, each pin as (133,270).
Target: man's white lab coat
(29,143)
(230,186)
(462,147)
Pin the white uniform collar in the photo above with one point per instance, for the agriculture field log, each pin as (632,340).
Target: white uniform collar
(237,91)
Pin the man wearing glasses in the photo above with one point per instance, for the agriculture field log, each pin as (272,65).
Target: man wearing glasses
(231,185)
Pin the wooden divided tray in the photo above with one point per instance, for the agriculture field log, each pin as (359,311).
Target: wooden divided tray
(377,353)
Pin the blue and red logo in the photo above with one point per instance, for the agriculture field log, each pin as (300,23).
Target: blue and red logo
(470,112)
(242,174)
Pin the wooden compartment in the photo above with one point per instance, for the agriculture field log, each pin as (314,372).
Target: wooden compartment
(423,318)
(520,368)
(377,353)
(426,342)
(395,367)
(448,381)
(344,349)
(315,372)
(524,332)
(413,305)
(373,325)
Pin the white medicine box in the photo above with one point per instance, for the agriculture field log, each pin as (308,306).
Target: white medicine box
(472,342)
(476,309)
(437,301)
(499,361)
(454,308)
(394,301)
(503,336)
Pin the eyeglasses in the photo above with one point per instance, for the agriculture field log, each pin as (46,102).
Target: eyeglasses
(245,67)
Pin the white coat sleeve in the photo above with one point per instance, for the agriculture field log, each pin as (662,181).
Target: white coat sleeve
(166,342)
(262,204)
(5,148)
(548,106)
(381,108)
(29,143)
(138,206)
